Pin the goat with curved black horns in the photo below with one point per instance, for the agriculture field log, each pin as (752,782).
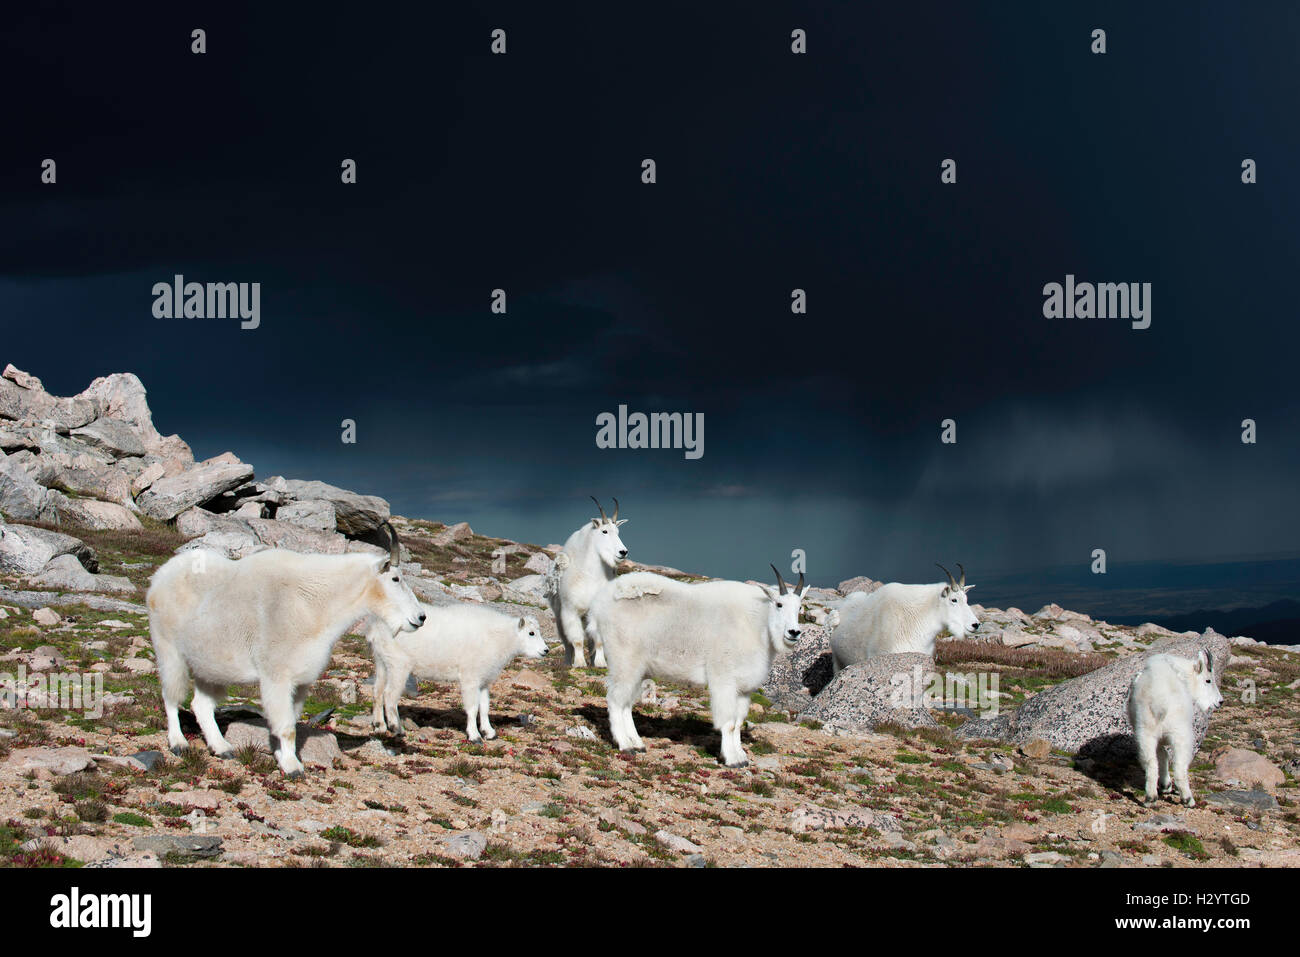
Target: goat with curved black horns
(270,619)
(901,618)
(720,634)
(588,561)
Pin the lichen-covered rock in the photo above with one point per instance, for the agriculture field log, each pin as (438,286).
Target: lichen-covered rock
(800,674)
(1087,714)
(26,550)
(880,690)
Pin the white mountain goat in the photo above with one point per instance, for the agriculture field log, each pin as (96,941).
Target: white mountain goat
(900,618)
(722,635)
(461,643)
(1161,703)
(271,618)
(586,564)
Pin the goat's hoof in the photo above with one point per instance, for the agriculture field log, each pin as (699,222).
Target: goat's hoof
(178,750)
(226,755)
(739,764)
(292,775)
(490,735)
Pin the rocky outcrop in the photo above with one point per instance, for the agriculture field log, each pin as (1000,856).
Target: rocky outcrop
(1086,715)
(799,675)
(880,690)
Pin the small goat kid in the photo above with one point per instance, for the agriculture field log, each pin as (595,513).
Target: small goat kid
(900,618)
(587,563)
(722,635)
(460,643)
(1161,708)
(272,619)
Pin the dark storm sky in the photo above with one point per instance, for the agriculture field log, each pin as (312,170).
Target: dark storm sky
(775,171)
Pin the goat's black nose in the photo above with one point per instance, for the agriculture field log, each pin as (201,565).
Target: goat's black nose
(975,627)
(794,632)
(622,553)
(422,617)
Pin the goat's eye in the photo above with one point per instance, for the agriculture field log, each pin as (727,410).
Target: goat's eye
(394,578)
(779,605)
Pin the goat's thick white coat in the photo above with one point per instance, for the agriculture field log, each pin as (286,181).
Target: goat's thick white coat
(1162,701)
(897,618)
(269,619)
(587,563)
(465,644)
(721,635)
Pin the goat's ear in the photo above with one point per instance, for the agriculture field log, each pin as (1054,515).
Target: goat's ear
(967,587)
(767,592)
(1200,662)
(523,622)
(595,523)
(621,521)
(944,593)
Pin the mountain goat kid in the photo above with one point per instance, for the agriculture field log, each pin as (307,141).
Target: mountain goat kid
(586,564)
(460,643)
(1161,703)
(722,635)
(900,618)
(271,618)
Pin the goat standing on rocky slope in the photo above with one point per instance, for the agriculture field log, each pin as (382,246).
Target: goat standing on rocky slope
(1161,707)
(271,618)
(461,643)
(722,635)
(588,561)
(900,618)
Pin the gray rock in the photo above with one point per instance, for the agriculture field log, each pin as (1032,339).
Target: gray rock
(279,534)
(1256,800)
(232,544)
(92,513)
(121,396)
(168,497)
(191,845)
(467,845)
(194,522)
(26,550)
(861,583)
(113,436)
(316,514)
(315,746)
(36,406)
(39,599)
(675,842)
(873,692)
(108,483)
(800,674)
(66,573)
(149,759)
(453,533)
(1087,714)
(21,498)
(354,513)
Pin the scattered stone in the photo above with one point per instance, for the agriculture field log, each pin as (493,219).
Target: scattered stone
(1246,768)
(467,845)
(1257,800)
(59,761)
(190,845)
(675,842)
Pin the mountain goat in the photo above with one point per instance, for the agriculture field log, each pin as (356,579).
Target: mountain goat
(461,643)
(270,618)
(722,635)
(899,618)
(1161,703)
(587,563)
